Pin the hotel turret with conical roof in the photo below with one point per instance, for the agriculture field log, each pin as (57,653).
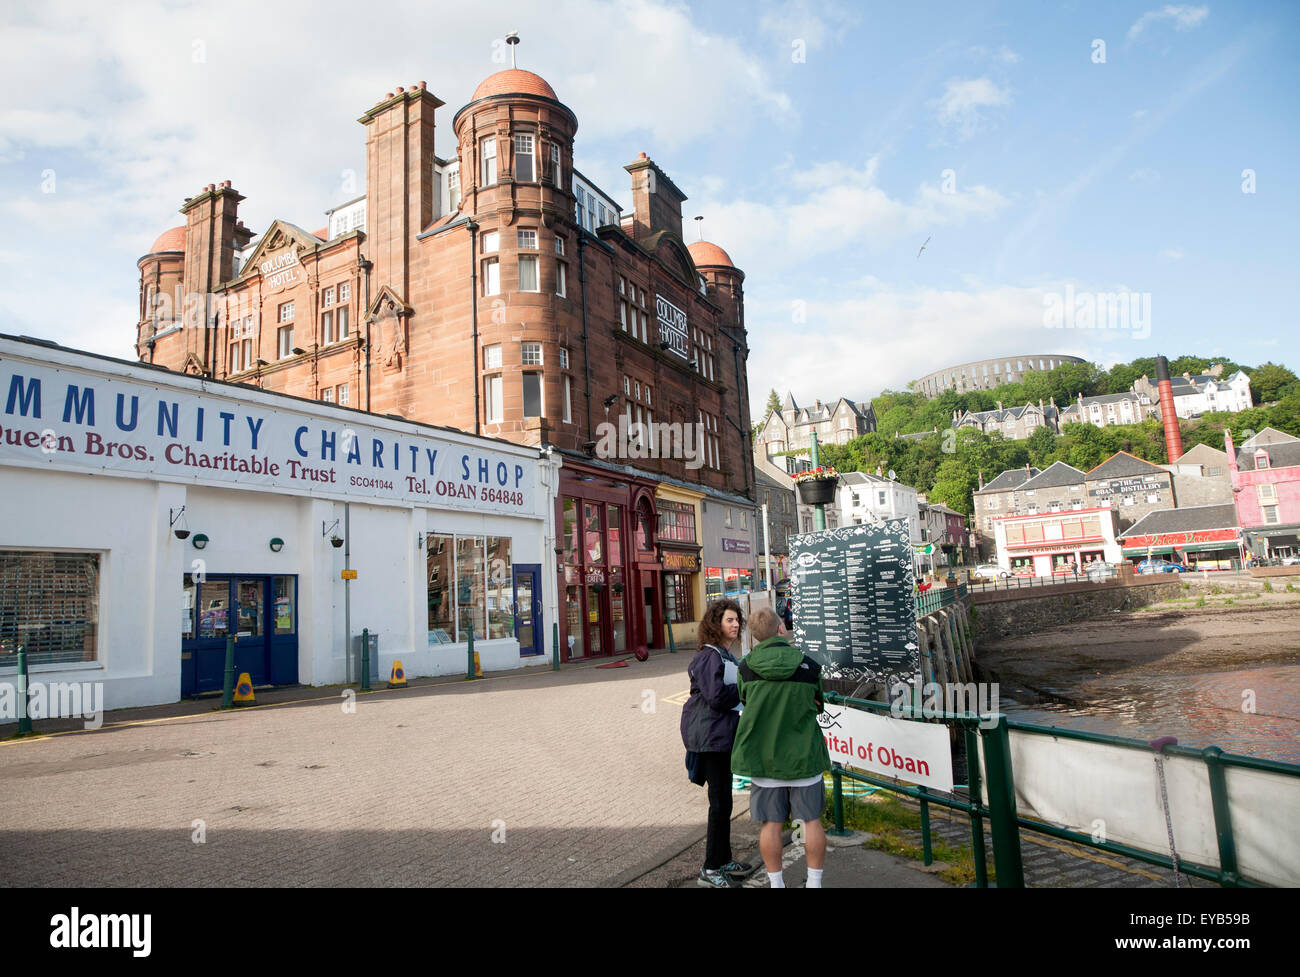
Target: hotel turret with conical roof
(501,292)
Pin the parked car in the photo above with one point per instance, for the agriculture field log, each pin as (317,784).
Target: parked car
(1100,571)
(989,571)
(1160,566)
(1291,561)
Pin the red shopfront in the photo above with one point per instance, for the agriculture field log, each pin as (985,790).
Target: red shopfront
(609,572)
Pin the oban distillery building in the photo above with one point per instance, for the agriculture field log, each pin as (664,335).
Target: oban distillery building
(502,293)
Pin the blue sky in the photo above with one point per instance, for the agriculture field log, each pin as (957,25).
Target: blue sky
(823,143)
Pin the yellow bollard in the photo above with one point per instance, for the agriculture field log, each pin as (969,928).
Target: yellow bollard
(244,690)
(397,678)
(478,668)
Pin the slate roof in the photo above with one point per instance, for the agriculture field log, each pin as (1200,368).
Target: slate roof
(1007,413)
(1187,520)
(1270,435)
(1104,399)
(1285,454)
(1054,476)
(1010,479)
(1204,456)
(1124,465)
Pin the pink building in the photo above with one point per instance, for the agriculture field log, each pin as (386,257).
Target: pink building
(1266,489)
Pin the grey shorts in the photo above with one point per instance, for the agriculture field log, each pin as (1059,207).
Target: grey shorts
(779,803)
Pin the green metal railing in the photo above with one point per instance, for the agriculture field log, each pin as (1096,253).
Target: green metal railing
(937,597)
(1004,823)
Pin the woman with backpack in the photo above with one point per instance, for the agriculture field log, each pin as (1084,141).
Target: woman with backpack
(708,731)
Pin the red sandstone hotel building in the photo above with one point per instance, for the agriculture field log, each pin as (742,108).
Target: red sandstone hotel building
(501,293)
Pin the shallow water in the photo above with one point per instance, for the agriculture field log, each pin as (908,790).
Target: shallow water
(1204,709)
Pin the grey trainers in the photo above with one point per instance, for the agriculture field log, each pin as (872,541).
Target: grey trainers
(738,870)
(712,878)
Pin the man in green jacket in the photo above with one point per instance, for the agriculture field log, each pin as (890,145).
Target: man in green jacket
(779,745)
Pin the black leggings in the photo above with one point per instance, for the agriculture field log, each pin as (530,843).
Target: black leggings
(716,768)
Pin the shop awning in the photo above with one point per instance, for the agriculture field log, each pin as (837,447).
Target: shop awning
(1221,547)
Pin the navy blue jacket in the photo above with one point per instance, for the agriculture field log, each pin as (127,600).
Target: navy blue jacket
(709,718)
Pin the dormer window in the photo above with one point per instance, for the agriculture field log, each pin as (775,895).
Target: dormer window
(1261,460)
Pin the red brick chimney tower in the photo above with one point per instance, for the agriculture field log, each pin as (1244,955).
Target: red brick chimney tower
(399,181)
(1173,436)
(212,233)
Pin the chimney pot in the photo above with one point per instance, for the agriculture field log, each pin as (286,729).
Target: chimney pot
(642,156)
(400,89)
(421,85)
(388,96)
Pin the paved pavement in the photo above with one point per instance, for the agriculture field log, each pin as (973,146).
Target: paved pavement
(523,779)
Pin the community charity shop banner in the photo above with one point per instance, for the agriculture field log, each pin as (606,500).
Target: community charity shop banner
(87,420)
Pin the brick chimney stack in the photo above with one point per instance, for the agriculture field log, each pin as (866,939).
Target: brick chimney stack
(399,180)
(212,232)
(656,200)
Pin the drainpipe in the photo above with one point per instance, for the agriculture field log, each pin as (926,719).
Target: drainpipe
(365,265)
(739,424)
(586,354)
(472,227)
(207,288)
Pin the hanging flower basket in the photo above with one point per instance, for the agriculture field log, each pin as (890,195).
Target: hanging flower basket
(817,486)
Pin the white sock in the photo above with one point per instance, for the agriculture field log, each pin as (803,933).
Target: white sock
(777,880)
(814,878)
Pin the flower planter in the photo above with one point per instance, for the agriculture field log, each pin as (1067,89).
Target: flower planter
(813,491)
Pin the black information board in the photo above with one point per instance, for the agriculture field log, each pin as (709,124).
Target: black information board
(854,598)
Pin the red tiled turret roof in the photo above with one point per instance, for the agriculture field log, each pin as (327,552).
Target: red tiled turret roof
(705,253)
(513,81)
(172,240)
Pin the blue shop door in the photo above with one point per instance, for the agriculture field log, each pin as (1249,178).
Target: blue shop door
(261,612)
(528,609)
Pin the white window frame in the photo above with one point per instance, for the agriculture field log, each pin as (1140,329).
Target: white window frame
(522,140)
(561,279)
(492,357)
(526,239)
(286,312)
(492,277)
(564,357)
(490,242)
(492,408)
(568,400)
(533,262)
(342,397)
(531,354)
(487,153)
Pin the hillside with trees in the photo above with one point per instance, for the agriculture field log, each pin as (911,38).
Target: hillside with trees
(946,464)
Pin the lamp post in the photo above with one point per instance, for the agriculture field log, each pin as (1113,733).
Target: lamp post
(819,510)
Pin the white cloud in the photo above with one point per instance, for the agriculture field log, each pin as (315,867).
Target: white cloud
(1185,18)
(905,333)
(835,207)
(137,108)
(1173,254)
(1139,113)
(960,107)
(812,23)
(1003,55)
(1145,175)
